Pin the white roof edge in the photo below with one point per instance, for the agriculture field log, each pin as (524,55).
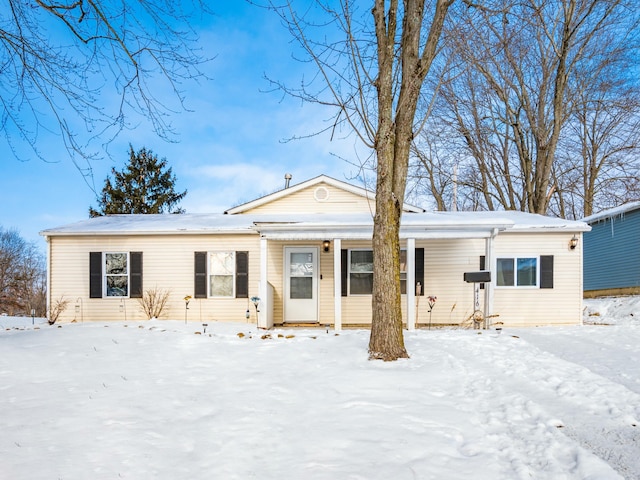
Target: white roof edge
(307,183)
(549,229)
(81,233)
(613,212)
(411,224)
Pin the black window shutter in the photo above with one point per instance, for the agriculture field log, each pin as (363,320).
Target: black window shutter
(242,274)
(419,270)
(95,274)
(546,271)
(136,274)
(482,266)
(343,274)
(200,281)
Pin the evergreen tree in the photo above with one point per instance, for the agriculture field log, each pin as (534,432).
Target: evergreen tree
(146,185)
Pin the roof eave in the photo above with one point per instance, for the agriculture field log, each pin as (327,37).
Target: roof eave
(84,233)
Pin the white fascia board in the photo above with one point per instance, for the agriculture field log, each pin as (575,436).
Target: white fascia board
(551,229)
(446,234)
(368,234)
(305,231)
(318,232)
(182,231)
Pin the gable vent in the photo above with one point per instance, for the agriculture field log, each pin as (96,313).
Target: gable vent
(321,194)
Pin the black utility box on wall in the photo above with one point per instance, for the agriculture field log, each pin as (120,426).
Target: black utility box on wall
(483,276)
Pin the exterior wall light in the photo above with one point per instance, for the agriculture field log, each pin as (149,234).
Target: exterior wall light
(573,243)
(325,245)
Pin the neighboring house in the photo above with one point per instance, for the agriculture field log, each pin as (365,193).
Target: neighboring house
(612,252)
(305,251)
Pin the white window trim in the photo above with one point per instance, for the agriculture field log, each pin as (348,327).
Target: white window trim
(515,272)
(209,274)
(105,275)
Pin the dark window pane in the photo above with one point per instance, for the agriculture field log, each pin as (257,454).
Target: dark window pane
(301,287)
(116,263)
(117,286)
(361,283)
(362,261)
(527,272)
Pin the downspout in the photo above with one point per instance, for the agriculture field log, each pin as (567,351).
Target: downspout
(262,318)
(48,277)
(488,287)
(581,260)
(337,284)
(411,282)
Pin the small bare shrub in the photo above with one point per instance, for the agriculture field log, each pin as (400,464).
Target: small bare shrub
(153,302)
(58,306)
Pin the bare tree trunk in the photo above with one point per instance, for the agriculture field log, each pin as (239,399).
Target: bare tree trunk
(393,142)
(377,95)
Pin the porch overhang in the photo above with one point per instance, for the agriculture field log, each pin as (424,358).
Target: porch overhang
(417,226)
(294,235)
(414,227)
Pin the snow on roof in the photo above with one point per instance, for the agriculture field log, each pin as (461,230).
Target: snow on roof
(612,212)
(156,224)
(532,221)
(356,225)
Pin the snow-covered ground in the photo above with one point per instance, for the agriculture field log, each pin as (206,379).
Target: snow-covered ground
(165,400)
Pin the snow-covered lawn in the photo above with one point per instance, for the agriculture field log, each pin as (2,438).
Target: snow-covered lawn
(157,400)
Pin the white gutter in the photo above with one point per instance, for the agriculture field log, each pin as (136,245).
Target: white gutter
(337,285)
(324,234)
(183,231)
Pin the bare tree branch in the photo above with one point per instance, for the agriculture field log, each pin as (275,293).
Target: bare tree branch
(61,60)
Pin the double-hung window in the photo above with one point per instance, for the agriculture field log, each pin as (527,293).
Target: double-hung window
(361,272)
(517,272)
(221,274)
(116,273)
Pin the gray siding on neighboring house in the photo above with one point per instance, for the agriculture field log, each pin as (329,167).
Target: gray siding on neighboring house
(612,252)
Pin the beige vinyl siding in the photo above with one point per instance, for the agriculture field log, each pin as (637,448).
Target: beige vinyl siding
(326,306)
(168,264)
(446,261)
(541,306)
(304,201)
(276,277)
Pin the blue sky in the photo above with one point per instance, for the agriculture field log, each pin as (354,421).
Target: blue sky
(231,148)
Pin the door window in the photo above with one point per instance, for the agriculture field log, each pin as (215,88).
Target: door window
(301,275)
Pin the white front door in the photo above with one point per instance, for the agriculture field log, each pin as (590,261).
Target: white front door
(300,284)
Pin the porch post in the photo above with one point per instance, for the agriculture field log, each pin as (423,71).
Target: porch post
(337,284)
(488,287)
(411,283)
(263,320)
